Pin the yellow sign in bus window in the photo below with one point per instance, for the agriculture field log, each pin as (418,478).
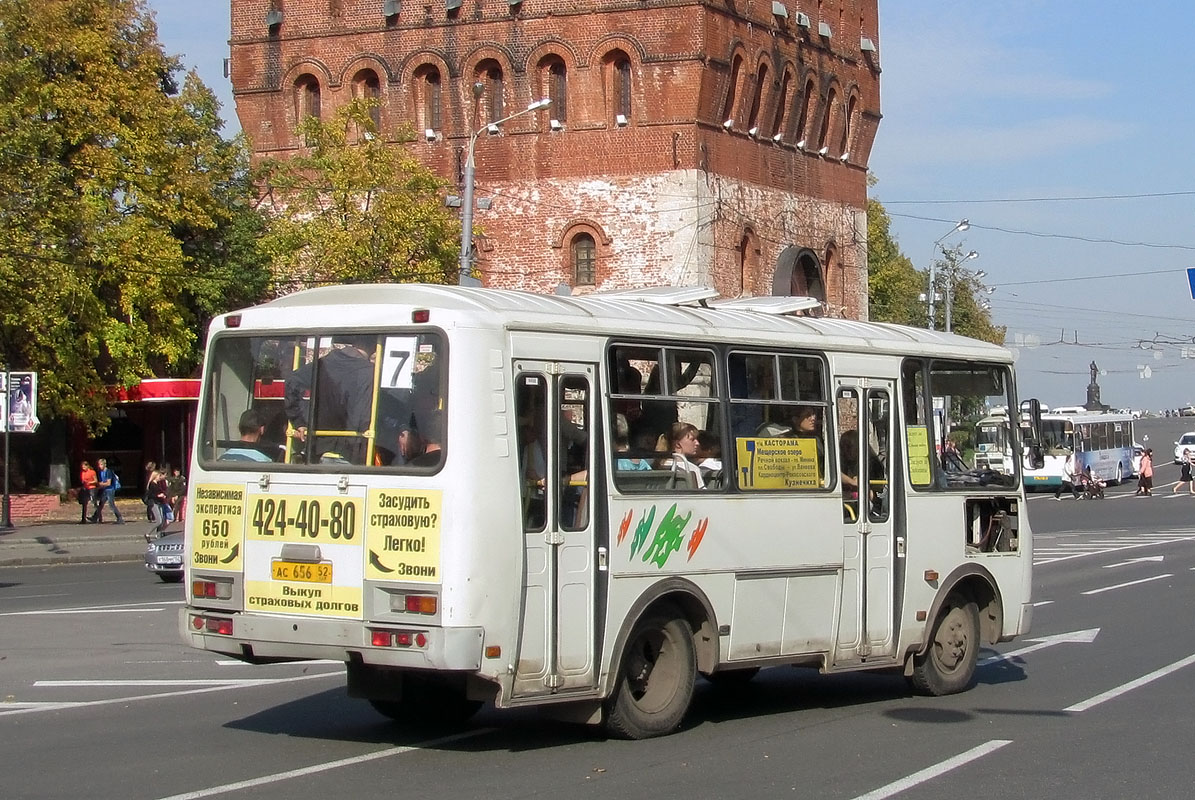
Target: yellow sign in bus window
(404,535)
(920,473)
(778,463)
(311,520)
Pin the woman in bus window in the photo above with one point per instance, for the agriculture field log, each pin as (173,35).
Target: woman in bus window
(682,444)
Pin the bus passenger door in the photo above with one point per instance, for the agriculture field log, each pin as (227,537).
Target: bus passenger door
(865,431)
(555,411)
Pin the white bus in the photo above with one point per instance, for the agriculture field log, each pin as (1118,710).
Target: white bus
(994,440)
(483,515)
(1103,442)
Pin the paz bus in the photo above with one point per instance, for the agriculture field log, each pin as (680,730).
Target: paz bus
(505,505)
(1103,442)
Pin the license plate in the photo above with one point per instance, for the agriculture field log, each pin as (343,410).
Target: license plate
(299,571)
(170,559)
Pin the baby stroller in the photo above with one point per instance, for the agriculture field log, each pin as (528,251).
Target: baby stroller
(1093,487)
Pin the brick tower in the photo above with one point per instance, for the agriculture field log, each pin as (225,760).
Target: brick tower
(698,142)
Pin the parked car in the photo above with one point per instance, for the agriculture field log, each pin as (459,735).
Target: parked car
(164,556)
(1185,442)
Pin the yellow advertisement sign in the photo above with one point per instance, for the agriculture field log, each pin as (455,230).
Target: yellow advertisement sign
(218,527)
(778,463)
(303,598)
(920,473)
(403,540)
(309,520)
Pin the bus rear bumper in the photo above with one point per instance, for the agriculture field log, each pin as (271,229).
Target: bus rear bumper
(260,638)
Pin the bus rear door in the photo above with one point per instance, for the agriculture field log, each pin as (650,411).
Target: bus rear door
(865,427)
(554,406)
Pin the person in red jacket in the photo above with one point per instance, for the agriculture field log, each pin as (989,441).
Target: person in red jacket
(88,483)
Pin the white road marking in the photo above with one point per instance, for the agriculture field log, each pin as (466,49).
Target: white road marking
(1135,561)
(162,695)
(1147,543)
(232,662)
(1128,687)
(1130,583)
(316,768)
(157,682)
(1048,602)
(1042,642)
(929,772)
(32,596)
(115,608)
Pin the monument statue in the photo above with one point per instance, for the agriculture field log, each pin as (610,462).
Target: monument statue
(1093,391)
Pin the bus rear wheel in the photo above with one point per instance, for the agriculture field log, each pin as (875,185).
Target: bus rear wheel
(656,678)
(948,664)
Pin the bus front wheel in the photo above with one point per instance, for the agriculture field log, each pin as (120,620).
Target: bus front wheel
(948,664)
(656,678)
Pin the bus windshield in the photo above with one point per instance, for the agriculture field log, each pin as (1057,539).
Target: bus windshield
(331,397)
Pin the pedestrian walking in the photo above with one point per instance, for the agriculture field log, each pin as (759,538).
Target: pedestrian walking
(1184,476)
(1069,472)
(107,483)
(178,492)
(1145,482)
(157,501)
(87,488)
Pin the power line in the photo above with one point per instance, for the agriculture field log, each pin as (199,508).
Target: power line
(1040,235)
(1057,199)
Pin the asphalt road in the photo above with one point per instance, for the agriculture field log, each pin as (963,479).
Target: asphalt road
(101,700)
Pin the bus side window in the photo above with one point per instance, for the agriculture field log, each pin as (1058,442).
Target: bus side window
(531,409)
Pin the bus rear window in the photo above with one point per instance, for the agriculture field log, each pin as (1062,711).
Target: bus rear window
(367,400)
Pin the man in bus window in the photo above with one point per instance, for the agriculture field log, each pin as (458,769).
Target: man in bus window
(251,430)
(344,402)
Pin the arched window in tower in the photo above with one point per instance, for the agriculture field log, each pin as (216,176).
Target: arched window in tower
(307,97)
(554,86)
(428,97)
(782,98)
(799,274)
(807,105)
(748,258)
(848,125)
(728,112)
(367,86)
(617,69)
(584,260)
(489,75)
(761,82)
(827,119)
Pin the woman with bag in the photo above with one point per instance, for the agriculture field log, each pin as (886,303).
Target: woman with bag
(1145,484)
(157,501)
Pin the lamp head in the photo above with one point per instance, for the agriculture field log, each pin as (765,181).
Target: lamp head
(962,225)
(971,255)
(478,89)
(543,102)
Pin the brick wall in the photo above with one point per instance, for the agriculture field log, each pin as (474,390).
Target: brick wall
(32,506)
(670,195)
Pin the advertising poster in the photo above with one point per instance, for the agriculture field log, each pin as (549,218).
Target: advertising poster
(22,401)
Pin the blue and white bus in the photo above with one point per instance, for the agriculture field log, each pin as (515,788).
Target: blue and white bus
(1103,442)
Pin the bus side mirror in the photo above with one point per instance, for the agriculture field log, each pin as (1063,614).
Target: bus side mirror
(1031,432)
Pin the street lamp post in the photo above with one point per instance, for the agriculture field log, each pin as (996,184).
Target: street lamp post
(962,225)
(466,261)
(952,279)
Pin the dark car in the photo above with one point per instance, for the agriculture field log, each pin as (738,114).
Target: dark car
(164,557)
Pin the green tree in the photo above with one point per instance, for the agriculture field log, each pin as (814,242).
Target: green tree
(104,165)
(962,289)
(893,284)
(351,208)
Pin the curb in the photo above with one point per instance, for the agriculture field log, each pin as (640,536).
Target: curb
(52,560)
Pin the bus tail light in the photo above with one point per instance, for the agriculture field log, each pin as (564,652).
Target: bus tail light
(211,590)
(421,315)
(421,604)
(220,625)
(387,638)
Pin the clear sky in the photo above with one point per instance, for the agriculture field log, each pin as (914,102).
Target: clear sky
(1059,129)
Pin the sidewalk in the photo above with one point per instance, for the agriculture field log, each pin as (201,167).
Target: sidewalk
(65,541)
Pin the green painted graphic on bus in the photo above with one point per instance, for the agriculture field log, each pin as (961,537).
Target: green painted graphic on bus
(668,537)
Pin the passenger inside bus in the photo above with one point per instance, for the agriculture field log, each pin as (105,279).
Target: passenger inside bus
(682,444)
(251,428)
(343,378)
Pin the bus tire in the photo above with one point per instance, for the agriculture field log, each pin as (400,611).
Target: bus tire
(655,678)
(948,664)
